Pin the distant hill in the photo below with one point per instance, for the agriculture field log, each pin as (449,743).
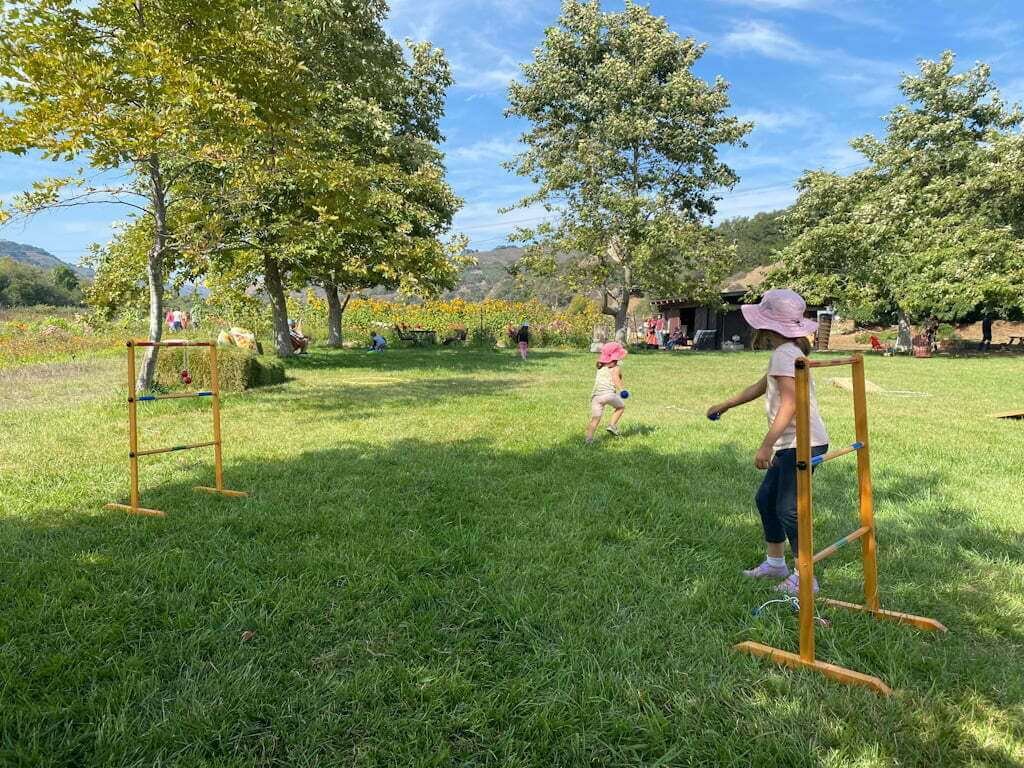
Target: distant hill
(37,257)
(489,278)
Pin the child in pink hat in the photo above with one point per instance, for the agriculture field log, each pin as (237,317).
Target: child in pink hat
(781,326)
(607,386)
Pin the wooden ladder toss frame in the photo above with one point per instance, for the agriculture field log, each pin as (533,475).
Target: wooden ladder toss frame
(806,558)
(134,507)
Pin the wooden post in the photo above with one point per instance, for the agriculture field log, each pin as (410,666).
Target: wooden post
(805,526)
(218,467)
(867,504)
(133,435)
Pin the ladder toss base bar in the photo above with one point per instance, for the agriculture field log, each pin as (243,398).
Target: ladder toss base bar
(865,533)
(134,507)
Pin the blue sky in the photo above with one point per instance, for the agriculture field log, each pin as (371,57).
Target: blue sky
(812,74)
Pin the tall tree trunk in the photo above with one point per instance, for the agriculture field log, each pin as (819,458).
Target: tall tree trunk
(335,310)
(155,273)
(279,305)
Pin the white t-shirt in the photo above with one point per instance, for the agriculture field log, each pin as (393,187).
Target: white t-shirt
(783,363)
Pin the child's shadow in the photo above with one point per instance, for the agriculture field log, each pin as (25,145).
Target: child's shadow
(637,429)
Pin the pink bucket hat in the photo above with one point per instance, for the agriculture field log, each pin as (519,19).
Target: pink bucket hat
(611,351)
(781,310)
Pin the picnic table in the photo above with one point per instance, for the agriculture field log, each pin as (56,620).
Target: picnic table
(422,337)
(1018,339)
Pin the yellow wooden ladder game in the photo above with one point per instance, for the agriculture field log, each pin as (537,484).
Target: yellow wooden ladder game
(865,533)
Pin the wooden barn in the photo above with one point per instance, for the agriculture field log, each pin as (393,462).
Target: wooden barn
(727,321)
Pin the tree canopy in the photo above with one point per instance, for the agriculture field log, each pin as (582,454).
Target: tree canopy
(934,224)
(254,143)
(623,145)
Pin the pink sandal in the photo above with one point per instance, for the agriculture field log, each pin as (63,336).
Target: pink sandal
(767,571)
(791,586)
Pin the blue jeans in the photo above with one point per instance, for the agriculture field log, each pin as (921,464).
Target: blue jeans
(776,498)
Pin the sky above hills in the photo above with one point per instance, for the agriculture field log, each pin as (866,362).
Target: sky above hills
(812,74)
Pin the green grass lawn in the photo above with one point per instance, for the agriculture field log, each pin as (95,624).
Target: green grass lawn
(438,572)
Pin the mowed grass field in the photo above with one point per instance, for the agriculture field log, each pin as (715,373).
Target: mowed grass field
(433,570)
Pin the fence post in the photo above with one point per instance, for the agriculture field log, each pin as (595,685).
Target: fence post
(218,467)
(867,504)
(805,525)
(133,435)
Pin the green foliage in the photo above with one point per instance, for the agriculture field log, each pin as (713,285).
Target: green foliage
(238,369)
(64,277)
(151,91)
(22,285)
(933,225)
(624,146)
(482,337)
(758,238)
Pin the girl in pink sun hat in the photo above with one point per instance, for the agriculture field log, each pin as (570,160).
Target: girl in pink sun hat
(607,386)
(781,326)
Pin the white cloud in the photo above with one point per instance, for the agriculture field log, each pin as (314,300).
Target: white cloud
(992,30)
(768,40)
(848,12)
(474,35)
(1013,91)
(774,121)
(486,149)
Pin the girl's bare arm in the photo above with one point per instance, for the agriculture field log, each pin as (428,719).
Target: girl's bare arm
(754,391)
(617,377)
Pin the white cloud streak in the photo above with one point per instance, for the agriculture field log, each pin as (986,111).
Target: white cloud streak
(768,40)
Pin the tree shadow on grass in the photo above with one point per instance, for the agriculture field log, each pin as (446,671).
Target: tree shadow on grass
(418,359)
(347,401)
(463,602)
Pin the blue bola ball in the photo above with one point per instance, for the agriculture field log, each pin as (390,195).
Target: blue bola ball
(624,394)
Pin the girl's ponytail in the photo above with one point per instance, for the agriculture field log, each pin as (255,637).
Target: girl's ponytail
(803,344)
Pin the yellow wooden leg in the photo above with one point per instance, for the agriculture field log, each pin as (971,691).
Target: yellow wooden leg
(793,661)
(921,622)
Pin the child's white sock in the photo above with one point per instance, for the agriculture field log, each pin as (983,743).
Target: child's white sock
(777,562)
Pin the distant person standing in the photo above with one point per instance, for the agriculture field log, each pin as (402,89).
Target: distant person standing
(523,337)
(986,333)
(931,331)
(659,329)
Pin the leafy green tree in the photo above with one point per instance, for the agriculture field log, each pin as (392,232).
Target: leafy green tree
(758,238)
(409,206)
(22,285)
(355,196)
(623,146)
(934,225)
(65,277)
(141,90)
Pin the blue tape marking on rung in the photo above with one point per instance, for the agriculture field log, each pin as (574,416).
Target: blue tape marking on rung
(815,461)
(204,394)
(145,398)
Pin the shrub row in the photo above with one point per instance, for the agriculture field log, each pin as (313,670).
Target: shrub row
(238,369)
(486,322)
